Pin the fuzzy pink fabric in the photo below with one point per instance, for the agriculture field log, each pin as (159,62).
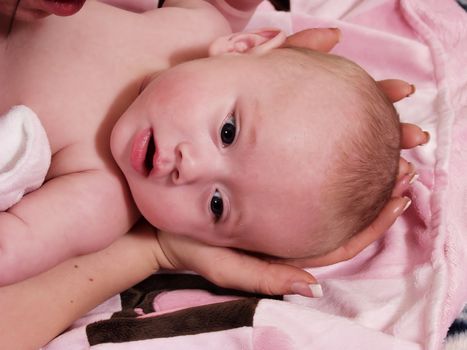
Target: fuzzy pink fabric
(404,291)
(411,284)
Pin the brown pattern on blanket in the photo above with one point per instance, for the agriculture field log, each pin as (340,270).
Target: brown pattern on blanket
(125,326)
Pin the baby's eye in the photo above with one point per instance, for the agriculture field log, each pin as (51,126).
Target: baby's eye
(217,205)
(228,131)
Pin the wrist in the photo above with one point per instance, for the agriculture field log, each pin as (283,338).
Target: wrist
(144,240)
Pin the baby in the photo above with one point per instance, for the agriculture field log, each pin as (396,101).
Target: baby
(291,169)
(281,151)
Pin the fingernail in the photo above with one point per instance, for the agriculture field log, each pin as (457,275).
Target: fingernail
(412,90)
(427,137)
(338,32)
(316,290)
(413,178)
(409,201)
(313,290)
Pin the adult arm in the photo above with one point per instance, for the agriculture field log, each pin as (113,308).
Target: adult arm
(36,310)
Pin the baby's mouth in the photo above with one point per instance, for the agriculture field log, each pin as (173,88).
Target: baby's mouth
(151,150)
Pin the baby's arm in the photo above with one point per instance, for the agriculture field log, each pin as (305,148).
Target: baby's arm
(69,215)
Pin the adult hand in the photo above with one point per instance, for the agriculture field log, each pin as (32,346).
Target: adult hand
(230,268)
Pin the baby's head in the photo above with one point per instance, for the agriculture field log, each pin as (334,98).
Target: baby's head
(363,171)
(283,151)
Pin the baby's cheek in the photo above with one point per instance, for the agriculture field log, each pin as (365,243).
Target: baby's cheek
(159,211)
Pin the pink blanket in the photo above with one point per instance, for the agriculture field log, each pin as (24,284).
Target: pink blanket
(401,292)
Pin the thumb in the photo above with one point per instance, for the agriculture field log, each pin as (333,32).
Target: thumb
(235,269)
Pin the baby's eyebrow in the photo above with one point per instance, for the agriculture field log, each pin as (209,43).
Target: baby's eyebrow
(238,220)
(254,113)
(251,136)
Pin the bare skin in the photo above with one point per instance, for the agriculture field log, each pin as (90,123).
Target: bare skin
(135,256)
(83,178)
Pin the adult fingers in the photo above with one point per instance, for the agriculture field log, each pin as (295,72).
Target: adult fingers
(412,136)
(405,168)
(396,89)
(320,39)
(403,184)
(393,209)
(230,268)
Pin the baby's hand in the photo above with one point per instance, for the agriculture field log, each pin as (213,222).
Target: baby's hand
(234,269)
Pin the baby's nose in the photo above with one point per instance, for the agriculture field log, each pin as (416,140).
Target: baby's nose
(191,164)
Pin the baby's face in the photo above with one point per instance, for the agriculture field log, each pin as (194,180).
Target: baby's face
(218,150)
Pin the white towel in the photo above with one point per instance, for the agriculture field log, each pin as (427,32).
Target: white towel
(24,155)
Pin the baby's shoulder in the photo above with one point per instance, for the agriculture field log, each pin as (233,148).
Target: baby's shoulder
(182,23)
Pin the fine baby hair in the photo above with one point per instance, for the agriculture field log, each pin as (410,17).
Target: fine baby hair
(362,170)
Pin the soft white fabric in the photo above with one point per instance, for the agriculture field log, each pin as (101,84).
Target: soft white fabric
(24,156)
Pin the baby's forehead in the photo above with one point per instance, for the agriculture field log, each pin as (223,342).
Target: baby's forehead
(309,65)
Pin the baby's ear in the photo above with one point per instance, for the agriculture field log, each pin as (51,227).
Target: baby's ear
(257,42)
